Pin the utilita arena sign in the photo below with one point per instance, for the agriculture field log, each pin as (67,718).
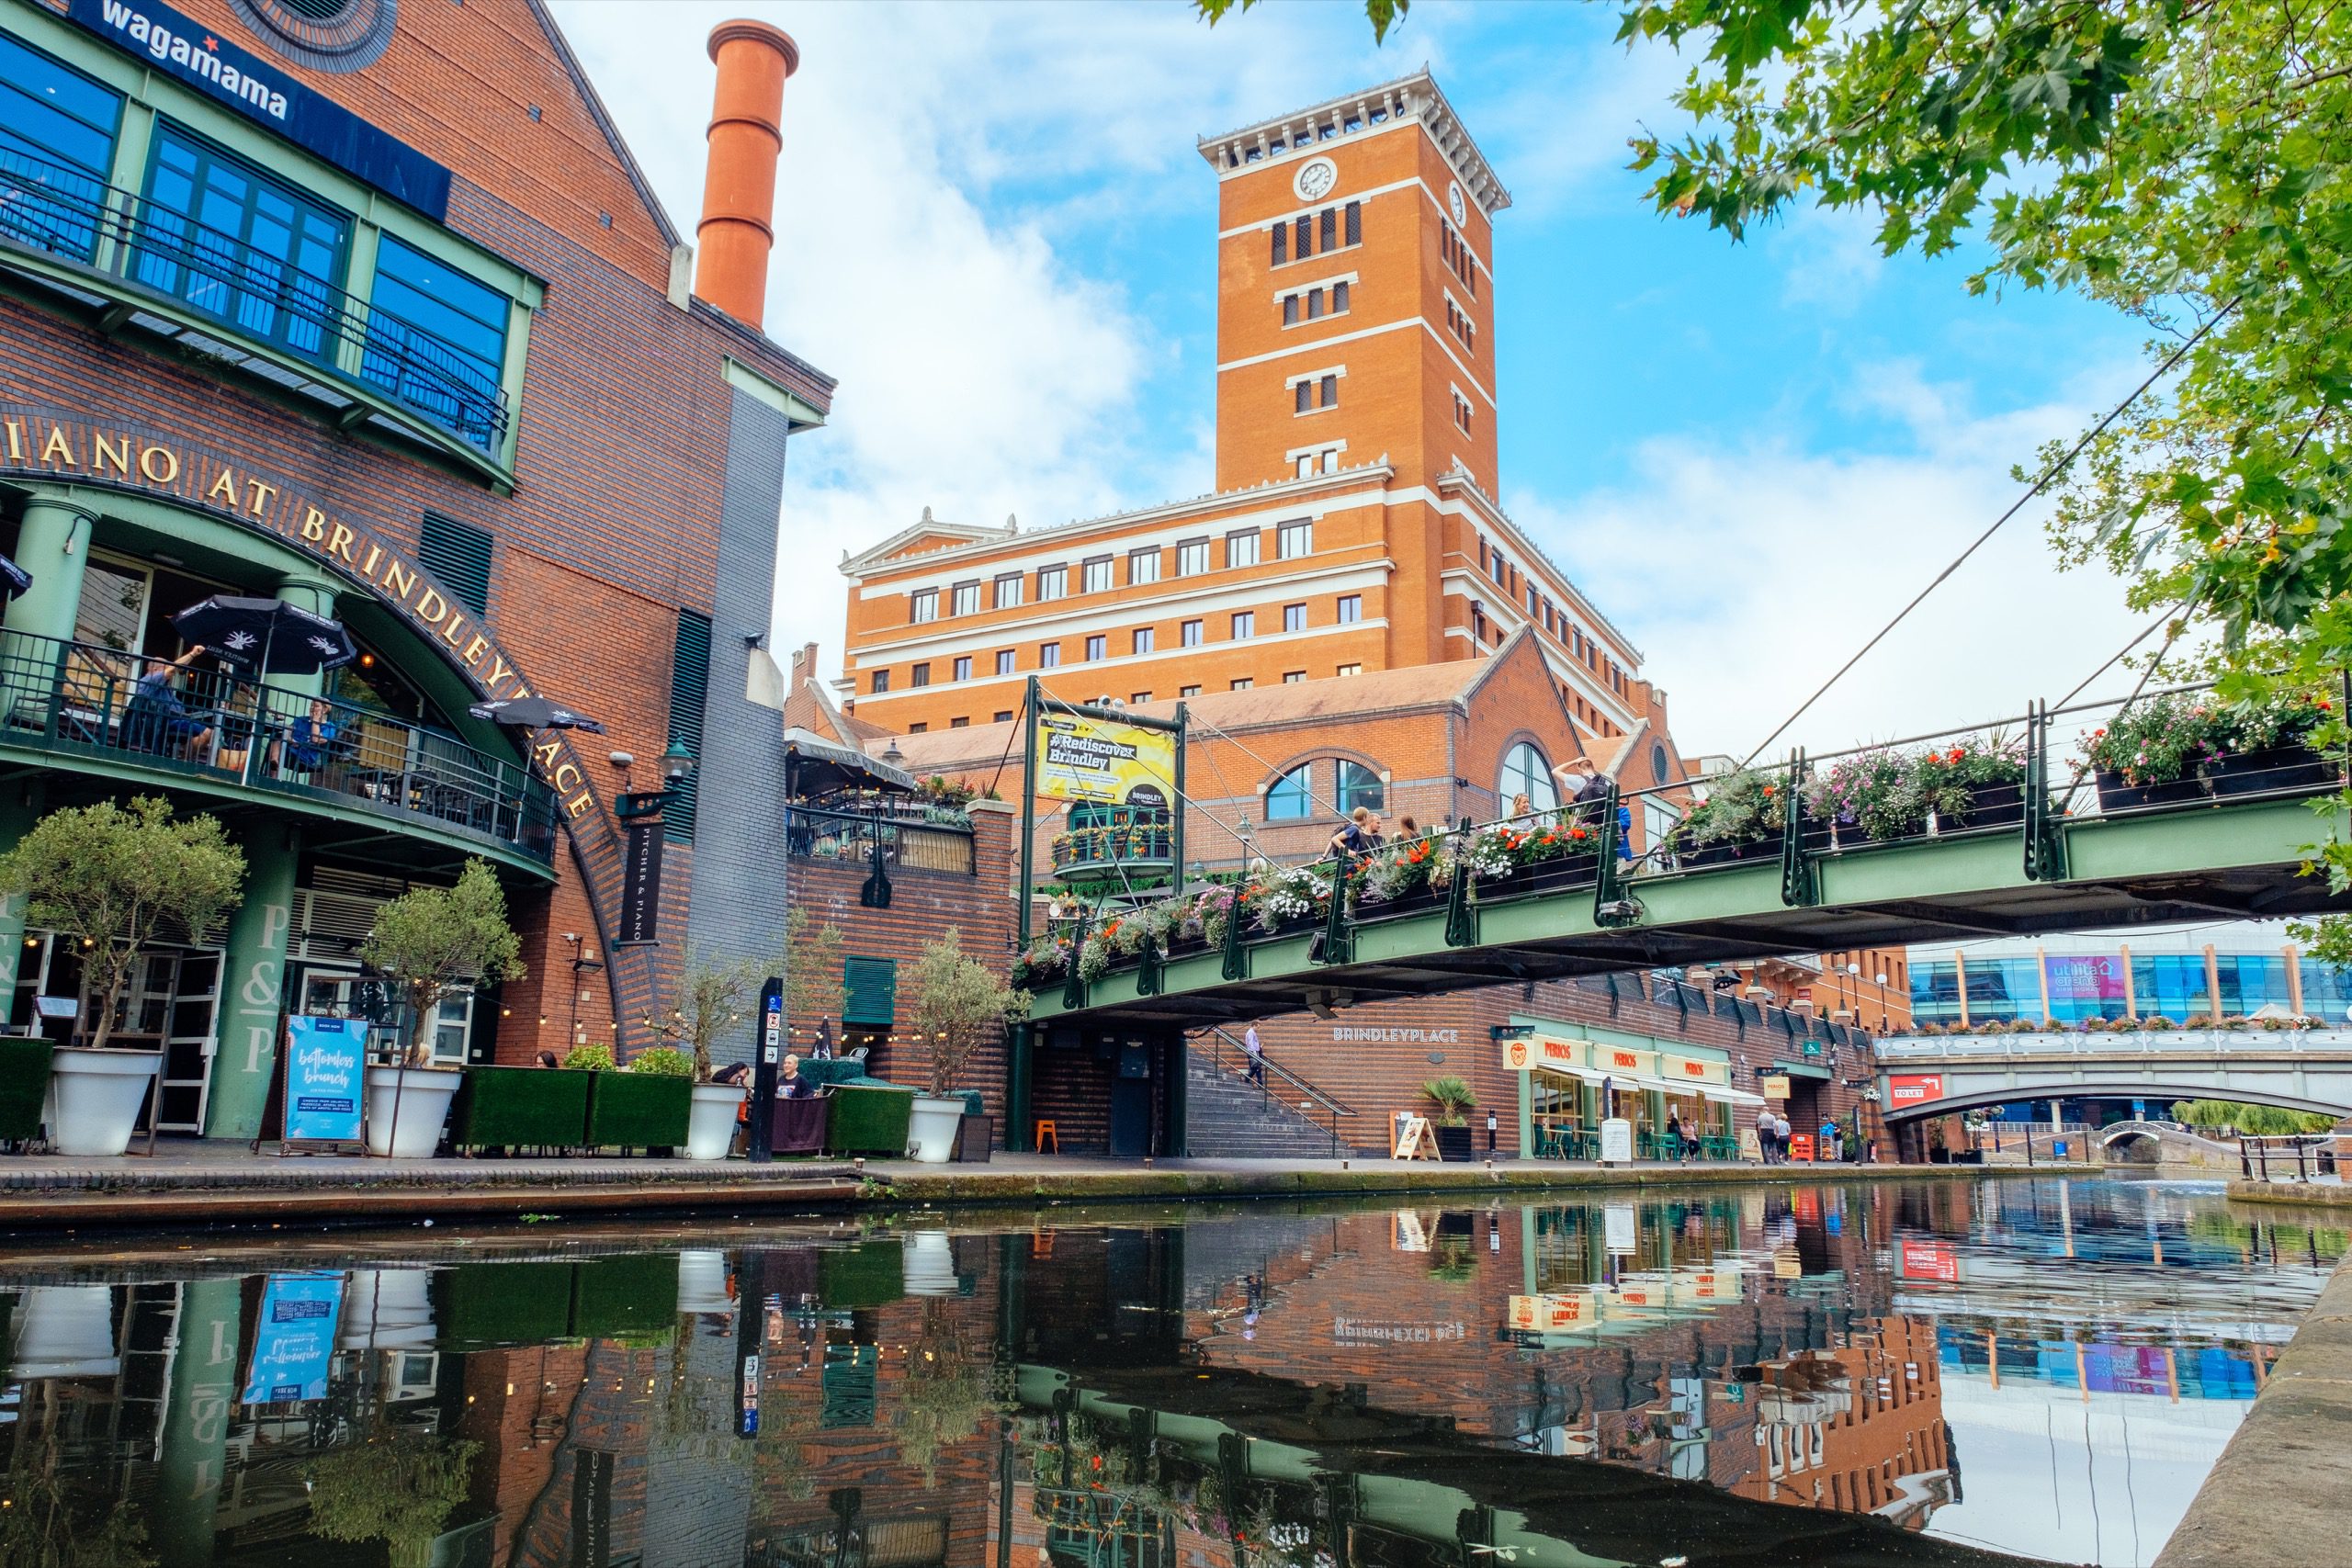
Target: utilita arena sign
(189,52)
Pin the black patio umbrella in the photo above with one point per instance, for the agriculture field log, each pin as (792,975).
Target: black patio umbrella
(534,713)
(14,578)
(267,636)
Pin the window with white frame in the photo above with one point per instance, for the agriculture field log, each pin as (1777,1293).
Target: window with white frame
(1291,797)
(1192,557)
(1097,574)
(1292,540)
(1345,669)
(1242,548)
(922,605)
(1049,656)
(966,599)
(1053,582)
(1351,609)
(1008,590)
(1143,566)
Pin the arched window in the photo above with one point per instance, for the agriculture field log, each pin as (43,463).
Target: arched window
(1526,772)
(1291,797)
(1359,785)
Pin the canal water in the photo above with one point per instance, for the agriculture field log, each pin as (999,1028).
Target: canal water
(1915,1372)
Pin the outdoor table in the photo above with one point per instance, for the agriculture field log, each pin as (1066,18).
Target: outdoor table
(797,1126)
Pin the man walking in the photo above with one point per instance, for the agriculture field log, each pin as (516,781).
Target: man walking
(1764,1135)
(1781,1137)
(1257,1054)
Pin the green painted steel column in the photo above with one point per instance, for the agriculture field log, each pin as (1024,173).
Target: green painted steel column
(196,1437)
(1526,1114)
(316,595)
(1021,1042)
(54,546)
(253,982)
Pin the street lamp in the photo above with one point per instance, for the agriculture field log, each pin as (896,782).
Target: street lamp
(677,767)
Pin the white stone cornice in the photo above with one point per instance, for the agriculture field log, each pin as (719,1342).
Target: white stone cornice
(1410,100)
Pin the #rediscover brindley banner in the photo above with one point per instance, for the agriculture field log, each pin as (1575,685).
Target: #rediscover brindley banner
(1092,759)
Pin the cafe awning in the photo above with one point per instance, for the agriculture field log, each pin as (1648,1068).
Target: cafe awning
(1729,1096)
(1801,1070)
(813,765)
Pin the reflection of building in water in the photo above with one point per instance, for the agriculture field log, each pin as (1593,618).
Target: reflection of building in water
(1859,1429)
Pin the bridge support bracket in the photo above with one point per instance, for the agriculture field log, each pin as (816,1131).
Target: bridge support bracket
(1236,951)
(1149,967)
(1612,907)
(1800,877)
(2045,836)
(1338,940)
(1461,914)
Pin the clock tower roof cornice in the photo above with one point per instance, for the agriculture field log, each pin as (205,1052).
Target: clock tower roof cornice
(1300,134)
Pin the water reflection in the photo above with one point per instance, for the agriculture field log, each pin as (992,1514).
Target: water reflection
(1843,1375)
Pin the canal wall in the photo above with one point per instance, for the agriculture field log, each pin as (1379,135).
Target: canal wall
(2280,1494)
(162,1196)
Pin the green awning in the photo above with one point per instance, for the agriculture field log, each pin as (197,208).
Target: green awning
(1801,1070)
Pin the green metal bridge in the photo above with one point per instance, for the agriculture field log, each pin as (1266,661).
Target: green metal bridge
(2067,862)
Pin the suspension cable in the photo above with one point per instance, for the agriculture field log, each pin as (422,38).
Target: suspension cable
(2056,467)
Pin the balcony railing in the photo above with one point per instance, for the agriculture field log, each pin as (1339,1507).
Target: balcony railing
(911,839)
(83,699)
(144,248)
(1110,840)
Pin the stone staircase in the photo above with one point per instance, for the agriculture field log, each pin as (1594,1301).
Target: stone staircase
(1229,1117)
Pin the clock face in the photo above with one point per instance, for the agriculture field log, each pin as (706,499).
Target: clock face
(1453,200)
(1315,179)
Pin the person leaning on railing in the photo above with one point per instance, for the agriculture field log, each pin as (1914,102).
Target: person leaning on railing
(156,721)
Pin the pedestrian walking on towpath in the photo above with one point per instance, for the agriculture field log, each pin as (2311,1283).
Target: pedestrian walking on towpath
(1257,1054)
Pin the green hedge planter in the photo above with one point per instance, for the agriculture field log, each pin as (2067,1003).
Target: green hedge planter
(503,1304)
(861,1120)
(24,1080)
(637,1111)
(634,1296)
(521,1107)
(868,1274)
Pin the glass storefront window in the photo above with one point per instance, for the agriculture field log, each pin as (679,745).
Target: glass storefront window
(238,245)
(57,134)
(437,340)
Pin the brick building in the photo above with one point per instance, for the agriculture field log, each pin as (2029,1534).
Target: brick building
(369,310)
(1353,526)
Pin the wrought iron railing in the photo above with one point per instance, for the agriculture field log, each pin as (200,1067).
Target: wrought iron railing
(143,247)
(910,839)
(84,699)
(1107,839)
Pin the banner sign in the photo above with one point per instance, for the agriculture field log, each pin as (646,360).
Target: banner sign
(1558,1055)
(1930,1261)
(1775,1086)
(326,1062)
(1694,1070)
(641,921)
(196,57)
(295,1342)
(1905,1089)
(1097,759)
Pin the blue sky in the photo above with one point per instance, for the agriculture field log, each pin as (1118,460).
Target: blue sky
(995,230)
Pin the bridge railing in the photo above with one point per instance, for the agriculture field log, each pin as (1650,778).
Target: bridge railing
(2180,748)
(2113,1043)
(2305,1156)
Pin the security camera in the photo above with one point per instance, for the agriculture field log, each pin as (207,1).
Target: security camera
(620,759)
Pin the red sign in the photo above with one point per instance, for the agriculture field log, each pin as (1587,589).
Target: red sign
(1913,1088)
(1930,1260)
(1801,1145)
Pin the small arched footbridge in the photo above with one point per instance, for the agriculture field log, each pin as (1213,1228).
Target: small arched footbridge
(2165,1143)
(2057,848)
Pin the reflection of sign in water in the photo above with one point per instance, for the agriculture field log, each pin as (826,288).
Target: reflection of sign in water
(1930,1260)
(1617,1221)
(1092,759)
(1617,1145)
(1360,1331)
(294,1341)
(325,1061)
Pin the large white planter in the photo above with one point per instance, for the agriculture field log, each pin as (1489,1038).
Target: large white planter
(420,1095)
(94,1095)
(927,1266)
(711,1119)
(931,1129)
(702,1283)
(64,1331)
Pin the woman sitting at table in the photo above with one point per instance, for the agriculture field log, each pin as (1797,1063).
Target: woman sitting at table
(310,742)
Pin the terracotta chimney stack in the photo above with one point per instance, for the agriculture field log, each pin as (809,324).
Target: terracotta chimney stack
(739,188)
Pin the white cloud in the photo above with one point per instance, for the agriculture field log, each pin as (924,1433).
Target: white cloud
(1747,573)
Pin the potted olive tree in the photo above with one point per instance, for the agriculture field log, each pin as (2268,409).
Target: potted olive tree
(399,1487)
(713,998)
(432,943)
(958,1007)
(117,879)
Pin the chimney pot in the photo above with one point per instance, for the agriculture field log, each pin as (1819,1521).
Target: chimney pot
(738,184)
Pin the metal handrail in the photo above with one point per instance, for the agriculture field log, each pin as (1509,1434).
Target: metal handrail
(1331,1105)
(88,699)
(64,211)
